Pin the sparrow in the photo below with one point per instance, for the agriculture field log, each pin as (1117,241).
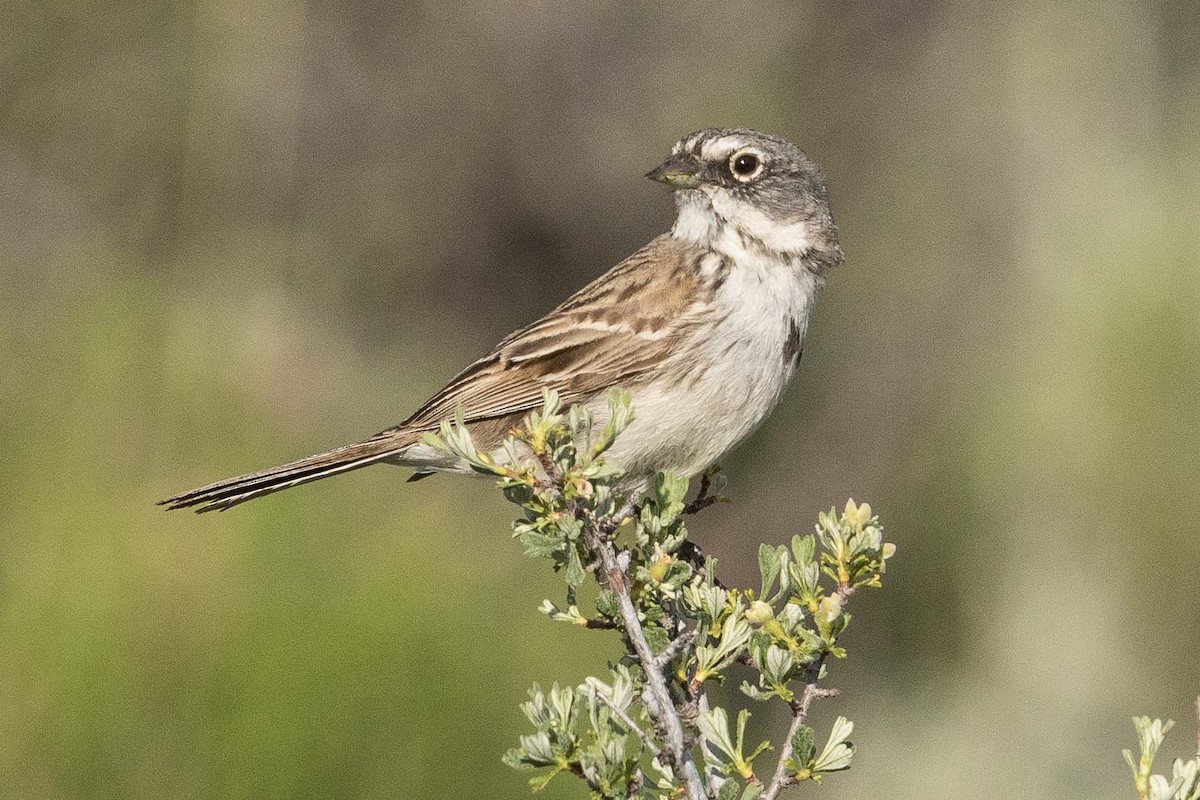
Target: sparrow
(704,326)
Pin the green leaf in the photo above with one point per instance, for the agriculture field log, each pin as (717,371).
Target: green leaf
(729,790)
(575,571)
(706,598)
(752,792)
(743,717)
(803,548)
(769,562)
(562,703)
(537,750)
(670,488)
(1188,775)
(670,492)
(714,726)
(1162,789)
(735,633)
(779,664)
(539,782)
(804,746)
(555,613)
(606,604)
(657,638)
(763,747)
(539,545)
(550,403)
(838,751)
(755,693)
(826,617)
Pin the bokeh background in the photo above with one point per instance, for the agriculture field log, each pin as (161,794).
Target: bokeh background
(233,233)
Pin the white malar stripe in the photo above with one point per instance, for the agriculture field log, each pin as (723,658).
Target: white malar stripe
(712,219)
(695,222)
(785,238)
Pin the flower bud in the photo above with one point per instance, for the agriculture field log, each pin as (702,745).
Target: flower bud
(759,613)
(856,515)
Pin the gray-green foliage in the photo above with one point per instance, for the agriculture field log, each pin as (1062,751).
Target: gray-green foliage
(646,729)
(1184,783)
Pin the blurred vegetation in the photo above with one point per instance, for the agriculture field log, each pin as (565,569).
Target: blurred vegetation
(234,233)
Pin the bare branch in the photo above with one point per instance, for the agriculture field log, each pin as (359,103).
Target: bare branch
(628,722)
(781,778)
(659,704)
(678,644)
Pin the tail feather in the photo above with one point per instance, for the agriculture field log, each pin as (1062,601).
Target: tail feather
(232,491)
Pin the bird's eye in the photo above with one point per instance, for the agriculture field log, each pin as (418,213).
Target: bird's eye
(745,165)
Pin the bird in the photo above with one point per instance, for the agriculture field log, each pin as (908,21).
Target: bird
(704,326)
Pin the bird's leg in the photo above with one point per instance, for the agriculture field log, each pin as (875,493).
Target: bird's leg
(710,485)
(707,494)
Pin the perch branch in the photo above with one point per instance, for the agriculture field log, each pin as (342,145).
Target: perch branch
(660,706)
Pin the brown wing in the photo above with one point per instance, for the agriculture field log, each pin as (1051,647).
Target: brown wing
(607,334)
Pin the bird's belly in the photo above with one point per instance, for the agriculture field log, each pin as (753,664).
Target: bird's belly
(684,426)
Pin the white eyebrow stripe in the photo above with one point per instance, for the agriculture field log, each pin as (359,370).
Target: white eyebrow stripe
(721,147)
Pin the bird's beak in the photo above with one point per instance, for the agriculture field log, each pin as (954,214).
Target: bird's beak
(680,171)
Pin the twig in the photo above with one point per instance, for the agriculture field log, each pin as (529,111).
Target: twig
(628,722)
(606,527)
(677,644)
(595,623)
(659,704)
(781,778)
(845,592)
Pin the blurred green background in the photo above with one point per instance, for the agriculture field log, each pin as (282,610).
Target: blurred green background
(235,233)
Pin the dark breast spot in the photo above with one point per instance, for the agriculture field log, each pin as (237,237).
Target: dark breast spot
(794,345)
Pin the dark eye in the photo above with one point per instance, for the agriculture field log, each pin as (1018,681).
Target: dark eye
(745,166)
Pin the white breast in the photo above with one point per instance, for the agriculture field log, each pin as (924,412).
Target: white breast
(733,377)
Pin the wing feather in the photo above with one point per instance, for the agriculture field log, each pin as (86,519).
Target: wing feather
(610,333)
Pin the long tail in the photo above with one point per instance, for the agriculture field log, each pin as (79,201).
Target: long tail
(231,491)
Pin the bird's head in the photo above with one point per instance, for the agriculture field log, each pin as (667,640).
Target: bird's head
(741,189)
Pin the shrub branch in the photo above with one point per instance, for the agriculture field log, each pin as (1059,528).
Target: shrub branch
(646,728)
(659,703)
